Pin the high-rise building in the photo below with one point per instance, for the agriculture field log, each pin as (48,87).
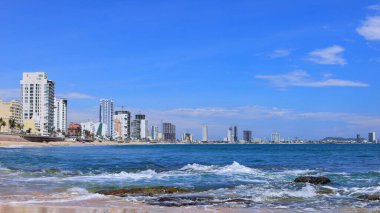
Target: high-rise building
(247,136)
(187,137)
(359,139)
(37,96)
(60,115)
(276,137)
(168,132)
(154,133)
(106,116)
(230,135)
(236,137)
(122,125)
(10,110)
(204,133)
(139,128)
(372,137)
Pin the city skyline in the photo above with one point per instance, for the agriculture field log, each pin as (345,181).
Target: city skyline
(308,78)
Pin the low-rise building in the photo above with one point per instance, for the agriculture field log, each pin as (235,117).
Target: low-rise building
(10,110)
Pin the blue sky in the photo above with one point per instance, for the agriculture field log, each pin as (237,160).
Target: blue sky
(302,68)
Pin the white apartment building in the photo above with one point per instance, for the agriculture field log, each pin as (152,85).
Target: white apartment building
(122,125)
(204,133)
(96,128)
(37,96)
(106,116)
(60,115)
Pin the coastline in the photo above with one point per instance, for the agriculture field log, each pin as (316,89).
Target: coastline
(20,144)
(142,208)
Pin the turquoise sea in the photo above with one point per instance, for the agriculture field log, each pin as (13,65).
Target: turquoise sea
(248,176)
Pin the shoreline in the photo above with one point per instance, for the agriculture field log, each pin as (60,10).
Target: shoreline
(143,208)
(20,144)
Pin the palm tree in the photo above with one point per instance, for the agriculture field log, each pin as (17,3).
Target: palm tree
(12,124)
(2,123)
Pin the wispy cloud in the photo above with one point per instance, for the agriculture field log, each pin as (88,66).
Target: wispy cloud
(303,79)
(279,53)
(375,7)
(370,28)
(75,95)
(329,55)
(7,94)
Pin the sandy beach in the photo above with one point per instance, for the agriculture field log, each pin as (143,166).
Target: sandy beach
(7,144)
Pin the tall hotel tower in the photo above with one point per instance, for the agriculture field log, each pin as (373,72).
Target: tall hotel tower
(204,133)
(37,95)
(106,115)
(60,115)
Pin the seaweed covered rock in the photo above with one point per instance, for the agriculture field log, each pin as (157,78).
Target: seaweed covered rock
(312,180)
(146,191)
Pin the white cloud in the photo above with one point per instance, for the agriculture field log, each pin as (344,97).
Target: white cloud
(375,7)
(279,53)
(75,95)
(303,79)
(329,55)
(370,28)
(7,94)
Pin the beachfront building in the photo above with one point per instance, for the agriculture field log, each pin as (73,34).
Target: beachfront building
(122,125)
(154,133)
(230,135)
(106,116)
(10,111)
(74,130)
(168,132)
(60,115)
(139,128)
(236,138)
(247,136)
(95,129)
(187,138)
(276,137)
(37,96)
(204,133)
(372,137)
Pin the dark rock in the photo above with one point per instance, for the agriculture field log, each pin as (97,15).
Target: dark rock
(189,198)
(148,191)
(325,191)
(312,180)
(373,197)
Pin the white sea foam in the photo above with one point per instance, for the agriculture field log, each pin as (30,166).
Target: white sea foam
(234,168)
(71,194)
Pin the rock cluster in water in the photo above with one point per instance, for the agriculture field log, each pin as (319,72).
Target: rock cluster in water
(146,191)
(312,180)
(374,197)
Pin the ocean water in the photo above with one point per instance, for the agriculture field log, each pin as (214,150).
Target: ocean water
(247,176)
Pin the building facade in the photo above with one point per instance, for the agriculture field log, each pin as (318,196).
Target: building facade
(372,137)
(37,96)
(122,125)
(97,129)
(106,113)
(154,133)
(10,110)
(169,132)
(204,133)
(247,136)
(236,134)
(139,128)
(230,135)
(60,115)
(276,137)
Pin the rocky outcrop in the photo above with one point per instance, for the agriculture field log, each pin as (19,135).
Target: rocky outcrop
(374,197)
(312,180)
(147,191)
